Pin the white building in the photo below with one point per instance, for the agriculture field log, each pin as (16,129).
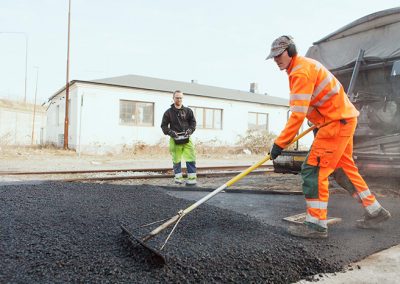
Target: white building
(107,114)
(19,121)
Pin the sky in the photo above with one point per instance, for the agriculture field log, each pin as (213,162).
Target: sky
(220,43)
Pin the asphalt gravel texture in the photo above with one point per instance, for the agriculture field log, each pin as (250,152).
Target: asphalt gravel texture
(70,233)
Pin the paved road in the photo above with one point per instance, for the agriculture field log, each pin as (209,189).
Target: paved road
(355,244)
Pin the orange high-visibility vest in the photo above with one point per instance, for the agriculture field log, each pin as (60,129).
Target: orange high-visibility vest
(316,94)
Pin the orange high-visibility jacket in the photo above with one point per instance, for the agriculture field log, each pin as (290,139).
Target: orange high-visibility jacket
(316,94)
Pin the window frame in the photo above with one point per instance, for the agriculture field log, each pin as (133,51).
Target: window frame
(257,120)
(135,121)
(204,120)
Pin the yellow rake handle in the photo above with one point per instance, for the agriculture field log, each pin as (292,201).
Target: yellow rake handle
(266,158)
(242,174)
(238,177)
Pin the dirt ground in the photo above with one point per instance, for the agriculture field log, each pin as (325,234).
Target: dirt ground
(35,159)
(53,159)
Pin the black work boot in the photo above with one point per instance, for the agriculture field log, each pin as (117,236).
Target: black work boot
(309,231)
(372,221)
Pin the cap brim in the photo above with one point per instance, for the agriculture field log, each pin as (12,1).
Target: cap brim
(275,53)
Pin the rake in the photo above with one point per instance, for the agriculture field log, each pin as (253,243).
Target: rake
(155,254)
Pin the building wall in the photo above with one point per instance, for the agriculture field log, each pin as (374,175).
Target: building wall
(56,116)
(95,127)
(16,123)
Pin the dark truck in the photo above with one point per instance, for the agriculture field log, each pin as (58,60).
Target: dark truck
(365,56)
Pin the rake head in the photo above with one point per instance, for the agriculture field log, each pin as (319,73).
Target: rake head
(155,256)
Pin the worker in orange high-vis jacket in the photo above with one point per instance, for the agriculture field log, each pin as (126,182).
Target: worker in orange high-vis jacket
(317,95)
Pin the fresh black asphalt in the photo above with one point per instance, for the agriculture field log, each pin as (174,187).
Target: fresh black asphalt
(69,232)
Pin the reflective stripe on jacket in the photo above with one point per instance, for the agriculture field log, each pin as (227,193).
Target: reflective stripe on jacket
(316,94)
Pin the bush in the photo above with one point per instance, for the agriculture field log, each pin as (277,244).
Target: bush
(257,141)
(141,148)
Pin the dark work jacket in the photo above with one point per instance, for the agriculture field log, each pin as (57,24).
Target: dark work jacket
(178,120)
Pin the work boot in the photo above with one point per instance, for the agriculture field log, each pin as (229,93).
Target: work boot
(191,182)
(178,179)
(309,231)
(191,179)
(373,221)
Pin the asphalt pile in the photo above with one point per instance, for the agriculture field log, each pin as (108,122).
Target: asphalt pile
(70,232)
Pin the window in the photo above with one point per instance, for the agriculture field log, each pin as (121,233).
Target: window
(258,120)
(136,113)
(208,118)
(58,115)
(69,112)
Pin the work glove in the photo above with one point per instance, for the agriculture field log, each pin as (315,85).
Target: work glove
(172,133)
(275,151)
(188,132)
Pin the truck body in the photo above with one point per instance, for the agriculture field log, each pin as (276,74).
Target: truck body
(365,57)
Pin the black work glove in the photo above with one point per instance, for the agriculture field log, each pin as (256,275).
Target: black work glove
(172,133)
(275,151)
(188,132)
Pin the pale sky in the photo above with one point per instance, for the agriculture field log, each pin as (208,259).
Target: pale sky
(219,43)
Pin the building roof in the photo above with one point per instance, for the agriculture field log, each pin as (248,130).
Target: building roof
(195,89)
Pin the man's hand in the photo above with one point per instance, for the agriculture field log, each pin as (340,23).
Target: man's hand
(172,133)
(275,151)
(188,132)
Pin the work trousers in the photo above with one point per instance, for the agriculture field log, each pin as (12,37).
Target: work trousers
(188,153)
(332,152)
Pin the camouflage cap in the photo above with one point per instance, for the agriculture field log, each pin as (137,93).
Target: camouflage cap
(280,45)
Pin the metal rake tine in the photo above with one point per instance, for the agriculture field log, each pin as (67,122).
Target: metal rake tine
(170,233)
(152,223)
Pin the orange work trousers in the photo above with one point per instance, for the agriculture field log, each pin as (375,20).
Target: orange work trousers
(332,151)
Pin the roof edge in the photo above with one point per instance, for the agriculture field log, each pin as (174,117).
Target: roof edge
(129,87)
(362,20)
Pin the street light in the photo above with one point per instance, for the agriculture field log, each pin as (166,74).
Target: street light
(26,56)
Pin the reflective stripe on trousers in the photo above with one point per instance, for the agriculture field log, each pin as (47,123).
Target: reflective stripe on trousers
(332,149)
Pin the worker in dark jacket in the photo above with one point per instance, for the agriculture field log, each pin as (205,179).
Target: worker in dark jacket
(179,123)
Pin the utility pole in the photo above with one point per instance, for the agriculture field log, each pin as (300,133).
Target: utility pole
(66,125)
(34,106)
(26,64)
